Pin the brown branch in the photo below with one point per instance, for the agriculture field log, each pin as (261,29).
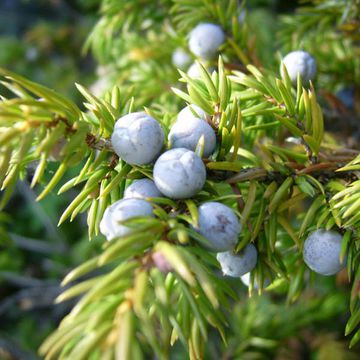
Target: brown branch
(235,66)
(325,168)
(318,167)
(338,158)
(113,161)
(69,127)
(98,143)
(240,201)
(53,123)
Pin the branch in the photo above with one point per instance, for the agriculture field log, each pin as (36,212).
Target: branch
(319,169)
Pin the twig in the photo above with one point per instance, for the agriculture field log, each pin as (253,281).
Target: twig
(239,200)
(318,167)
(264,175)
(98,143)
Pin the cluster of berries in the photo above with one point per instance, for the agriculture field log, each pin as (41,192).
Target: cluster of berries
(206,39)
(322,249)
(178,173)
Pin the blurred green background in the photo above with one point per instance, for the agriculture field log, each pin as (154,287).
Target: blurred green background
(42,40)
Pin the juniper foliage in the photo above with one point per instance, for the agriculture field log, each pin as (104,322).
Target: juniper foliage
(275,165)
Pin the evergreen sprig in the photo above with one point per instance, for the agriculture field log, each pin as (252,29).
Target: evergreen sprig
(259,175)
(331,30)
(273,165)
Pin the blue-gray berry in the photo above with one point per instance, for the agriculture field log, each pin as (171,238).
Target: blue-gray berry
(186,133)
(205,40)
(236,265)
(192,111)
(142,188)
(219,225)
(300,62)
(179,173)
(194,70)
(322,252)
(181,59)
(137,138)
(122,210)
